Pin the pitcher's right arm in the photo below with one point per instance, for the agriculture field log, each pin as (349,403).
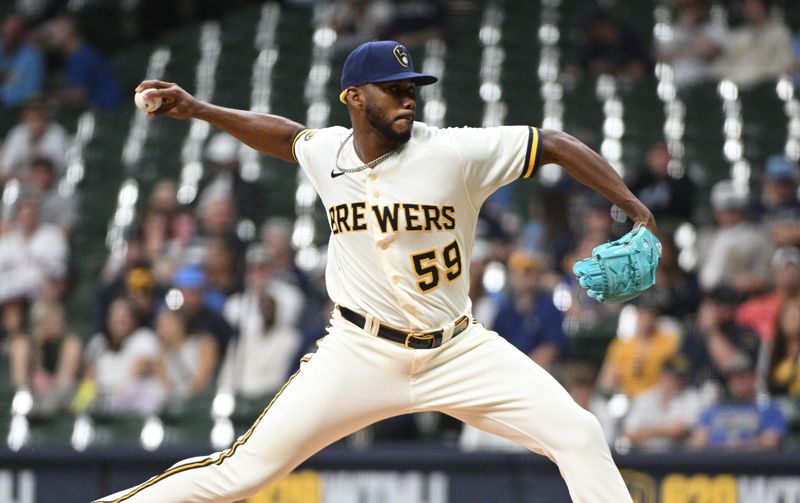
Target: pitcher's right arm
(269,134)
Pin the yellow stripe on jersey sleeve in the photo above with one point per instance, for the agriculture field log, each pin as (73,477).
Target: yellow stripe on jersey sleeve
(532,154)
(294,141)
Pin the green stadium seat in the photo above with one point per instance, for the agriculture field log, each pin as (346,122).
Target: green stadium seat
(764,125)
(117,430)
(54,431)
(189,422)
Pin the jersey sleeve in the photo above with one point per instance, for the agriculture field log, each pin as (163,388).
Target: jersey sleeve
(300,146)
(497,156)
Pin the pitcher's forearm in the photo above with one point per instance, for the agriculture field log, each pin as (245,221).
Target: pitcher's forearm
(587,167)
(269,134)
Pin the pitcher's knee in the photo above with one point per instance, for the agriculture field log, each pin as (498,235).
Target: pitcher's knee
(585,432)
(250,481)
(243,475)
(250,484)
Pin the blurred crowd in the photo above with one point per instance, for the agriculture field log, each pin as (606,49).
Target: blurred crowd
(52,61)
(745,41)
(410,22)
(709,358)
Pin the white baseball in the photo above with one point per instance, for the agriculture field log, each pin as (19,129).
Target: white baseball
(145,102)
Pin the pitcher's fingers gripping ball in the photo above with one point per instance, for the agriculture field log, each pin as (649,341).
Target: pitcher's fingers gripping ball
(620,270)
(147,100)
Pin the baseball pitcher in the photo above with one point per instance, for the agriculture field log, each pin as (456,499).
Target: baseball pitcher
(402,200)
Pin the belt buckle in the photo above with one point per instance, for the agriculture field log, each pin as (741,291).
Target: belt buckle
(422,336)
(460,325)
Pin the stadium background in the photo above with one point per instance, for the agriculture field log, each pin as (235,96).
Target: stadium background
(500,62)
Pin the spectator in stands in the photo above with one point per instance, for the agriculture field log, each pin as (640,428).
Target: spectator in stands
(30,253)
(778,207)
(612,48)
(199,317)
(661,418)
(740,422)
(527,318)
(181,241)
(276,237)
(697,40)
(167,232)
(21,64)
(36,136)
(222,277)
(736,252)
(188,361)
(718,340)
(13,331)
(761,313)
(90,79)
(57,207)
(225,177)
(670,199)
(164,197)
(635,365)
(154,227)
(676,289)
(117,264)
(760,50)
(120,365)
(137,283)
(259,277)
(784,367)
(145,295)
(263,355)
(217,215)
(51,356)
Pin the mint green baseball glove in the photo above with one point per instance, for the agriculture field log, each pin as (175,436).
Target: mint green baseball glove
(622,269)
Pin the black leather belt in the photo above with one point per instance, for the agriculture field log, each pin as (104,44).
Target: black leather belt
(413,340)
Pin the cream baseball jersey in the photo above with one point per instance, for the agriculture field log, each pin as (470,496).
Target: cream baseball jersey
(402,232)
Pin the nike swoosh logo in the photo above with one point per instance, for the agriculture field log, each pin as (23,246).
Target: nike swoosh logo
(334,174)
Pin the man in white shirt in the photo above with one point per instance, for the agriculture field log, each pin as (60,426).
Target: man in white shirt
(265,316)
(31,253)
(36,136)
(661,418)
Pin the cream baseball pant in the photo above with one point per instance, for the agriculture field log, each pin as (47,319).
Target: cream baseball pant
(355,379)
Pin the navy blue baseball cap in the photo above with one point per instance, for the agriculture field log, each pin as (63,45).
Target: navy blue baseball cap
(380,61)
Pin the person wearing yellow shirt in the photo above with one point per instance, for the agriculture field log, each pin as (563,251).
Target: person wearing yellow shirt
(634,365)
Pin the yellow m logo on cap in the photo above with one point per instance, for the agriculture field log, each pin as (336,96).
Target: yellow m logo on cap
(401,55)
